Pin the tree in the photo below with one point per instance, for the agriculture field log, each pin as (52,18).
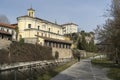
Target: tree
(80,41)
(79,44)
(92,46)
(4,19)
(109,33)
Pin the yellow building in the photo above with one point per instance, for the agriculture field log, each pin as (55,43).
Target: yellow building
(38,31)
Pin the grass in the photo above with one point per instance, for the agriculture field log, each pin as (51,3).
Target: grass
(114,72)
(53,72)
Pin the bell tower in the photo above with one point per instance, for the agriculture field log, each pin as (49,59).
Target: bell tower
(31,12)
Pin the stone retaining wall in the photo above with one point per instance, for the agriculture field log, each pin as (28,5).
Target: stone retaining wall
(63,53)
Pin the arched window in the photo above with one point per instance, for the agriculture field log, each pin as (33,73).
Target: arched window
(38,27)
(58,31)
(49,29)
(29,25)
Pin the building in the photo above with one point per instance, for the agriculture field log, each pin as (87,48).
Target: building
(7,32)
(70,28)
(39,31)
(7,35)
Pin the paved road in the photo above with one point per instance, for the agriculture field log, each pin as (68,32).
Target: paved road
(83,70)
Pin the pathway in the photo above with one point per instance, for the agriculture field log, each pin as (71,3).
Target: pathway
(83,70)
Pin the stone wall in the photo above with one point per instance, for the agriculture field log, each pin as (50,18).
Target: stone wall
(4,43)
(63,53)
(24,52)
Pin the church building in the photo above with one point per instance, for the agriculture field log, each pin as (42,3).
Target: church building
(39,31)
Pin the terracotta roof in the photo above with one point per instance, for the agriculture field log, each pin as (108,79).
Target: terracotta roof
(69,24)
(4,32)
(55,40)
(7,25)
(14,24)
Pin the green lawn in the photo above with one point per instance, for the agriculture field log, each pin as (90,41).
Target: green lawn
(53,72)
(114,72)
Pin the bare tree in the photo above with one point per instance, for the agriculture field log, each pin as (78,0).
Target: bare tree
(4,19)
(109,33)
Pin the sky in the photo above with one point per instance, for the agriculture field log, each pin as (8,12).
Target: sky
(86,13)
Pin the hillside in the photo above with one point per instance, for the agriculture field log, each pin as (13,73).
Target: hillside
(83,41)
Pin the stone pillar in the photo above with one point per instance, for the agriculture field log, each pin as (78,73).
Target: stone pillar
(54,44)
(61,45)
(64,45)
(58,45)
(0,36)
(47,43)
(51,44)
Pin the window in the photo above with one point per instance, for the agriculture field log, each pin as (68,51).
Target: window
(37,33)
(45,35)
(38,27)
(7,30)
(41,34)
(49,29)
(58,31)
(44,26)
(29,25)
(31,13)
(12,32)
(48,35)
(2,29)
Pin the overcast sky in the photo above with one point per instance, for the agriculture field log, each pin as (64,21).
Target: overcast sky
(86,13)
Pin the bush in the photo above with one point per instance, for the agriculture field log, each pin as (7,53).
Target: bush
(21,40)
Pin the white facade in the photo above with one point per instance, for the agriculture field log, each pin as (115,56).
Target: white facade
(8,30)
(70,28)
(31,27)
(38,31)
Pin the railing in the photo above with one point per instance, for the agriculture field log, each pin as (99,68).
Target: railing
(27,65)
